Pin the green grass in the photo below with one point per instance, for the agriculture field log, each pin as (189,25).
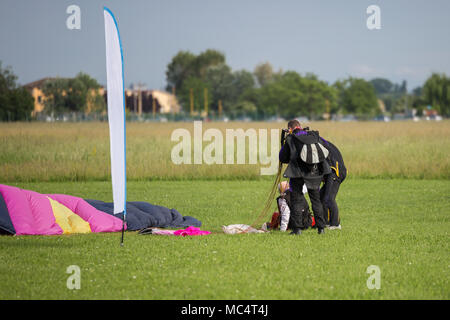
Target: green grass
(399,225)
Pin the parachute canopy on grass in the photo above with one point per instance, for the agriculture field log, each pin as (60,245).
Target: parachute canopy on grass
(26,212)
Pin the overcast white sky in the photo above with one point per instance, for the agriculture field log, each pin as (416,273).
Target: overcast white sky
(328,38)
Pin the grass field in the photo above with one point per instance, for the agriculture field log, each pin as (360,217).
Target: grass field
(400,225)
(80,151)
(394,206)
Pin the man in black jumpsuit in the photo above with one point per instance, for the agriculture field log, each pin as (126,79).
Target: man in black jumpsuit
(331,185)
(304,172)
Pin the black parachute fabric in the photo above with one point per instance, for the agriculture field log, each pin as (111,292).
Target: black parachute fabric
(141,215)
(6,226)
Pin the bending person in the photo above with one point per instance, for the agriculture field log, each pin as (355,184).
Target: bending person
(306,165)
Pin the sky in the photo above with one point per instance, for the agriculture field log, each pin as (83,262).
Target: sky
(329,38)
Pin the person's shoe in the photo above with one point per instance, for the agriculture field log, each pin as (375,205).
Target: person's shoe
(321,231)
(335,227)
(296,232)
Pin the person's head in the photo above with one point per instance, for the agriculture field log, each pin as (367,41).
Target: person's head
(283,186)
(294,124)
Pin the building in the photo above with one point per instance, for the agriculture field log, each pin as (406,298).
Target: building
(151,101)
(35,88)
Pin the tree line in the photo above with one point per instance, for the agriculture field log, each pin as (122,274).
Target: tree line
(266,92)
(206,79)
(60,95)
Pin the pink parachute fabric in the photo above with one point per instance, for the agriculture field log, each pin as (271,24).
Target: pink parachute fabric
(189,231)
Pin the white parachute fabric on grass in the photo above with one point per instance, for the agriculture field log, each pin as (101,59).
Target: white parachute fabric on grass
(116,110)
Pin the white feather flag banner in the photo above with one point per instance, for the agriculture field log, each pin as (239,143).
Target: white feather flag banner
(116,111)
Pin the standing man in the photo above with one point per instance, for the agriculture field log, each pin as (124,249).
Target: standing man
(306,158)
(330,188)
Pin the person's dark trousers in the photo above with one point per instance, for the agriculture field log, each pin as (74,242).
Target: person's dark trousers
(317,208)
(328,194)
(298,204)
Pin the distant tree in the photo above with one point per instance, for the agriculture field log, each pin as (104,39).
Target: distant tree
(179,69)
(401,104)
(242,83)
(207,70)
(206,60)
(403,87)
(264,73)
(72,94)
(357,96)
(416,100)
(243,80)
(54,91)
(22,105)
(243,108)
(220,80)
(382,86)
(292,95)
(393,95)
(436,92)
(84,93)
(76,95)
(399,89)
(16,103)
(417,91)
(229,86)
(185,65)
(197,86)
(320,97)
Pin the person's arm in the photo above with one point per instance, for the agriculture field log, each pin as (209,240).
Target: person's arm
(327,185)
(285,214)
(285,153)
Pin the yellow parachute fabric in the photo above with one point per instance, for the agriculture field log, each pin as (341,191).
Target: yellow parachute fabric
(68,220)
